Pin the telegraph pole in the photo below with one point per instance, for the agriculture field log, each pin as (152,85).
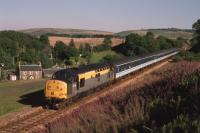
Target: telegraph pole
(1,65)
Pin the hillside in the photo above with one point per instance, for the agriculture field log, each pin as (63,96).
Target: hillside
(16,46)
(169,33)
(79,41)
(41,31)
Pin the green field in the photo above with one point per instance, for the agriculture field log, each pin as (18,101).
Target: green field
(18,94)
(98,56)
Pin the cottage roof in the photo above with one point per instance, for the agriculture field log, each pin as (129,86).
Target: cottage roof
(33,67)
(50,70)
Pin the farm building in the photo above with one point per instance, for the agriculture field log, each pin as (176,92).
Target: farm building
(27,72)
(12,77)
(48,73)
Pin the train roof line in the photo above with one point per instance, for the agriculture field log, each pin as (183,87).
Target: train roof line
(133,59)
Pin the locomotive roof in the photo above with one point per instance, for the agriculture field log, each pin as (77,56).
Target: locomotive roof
(130,59)
(86,68)
(73,72)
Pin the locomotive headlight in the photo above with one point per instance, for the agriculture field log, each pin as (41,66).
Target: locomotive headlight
(48,87)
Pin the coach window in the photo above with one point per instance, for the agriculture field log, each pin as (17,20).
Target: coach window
(98,76)
(82,82)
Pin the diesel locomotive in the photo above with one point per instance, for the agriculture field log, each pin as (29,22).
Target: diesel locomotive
(70,82)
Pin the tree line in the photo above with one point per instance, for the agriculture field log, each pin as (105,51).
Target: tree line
(136,45)
(63,52)
(21,47)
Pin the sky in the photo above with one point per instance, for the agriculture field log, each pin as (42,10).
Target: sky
(107,15)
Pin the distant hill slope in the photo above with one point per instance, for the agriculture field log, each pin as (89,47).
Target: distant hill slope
(41,31)
(169,33)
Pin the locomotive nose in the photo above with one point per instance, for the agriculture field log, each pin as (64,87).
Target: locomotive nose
(55,89)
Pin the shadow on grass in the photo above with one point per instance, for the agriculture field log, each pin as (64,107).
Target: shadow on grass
(34,99)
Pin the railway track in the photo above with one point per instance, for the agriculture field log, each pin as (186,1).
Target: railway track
(25,123)
(42,116)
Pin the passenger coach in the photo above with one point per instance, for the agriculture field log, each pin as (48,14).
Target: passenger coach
(129,65)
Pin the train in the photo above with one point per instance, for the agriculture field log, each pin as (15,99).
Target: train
(68,83)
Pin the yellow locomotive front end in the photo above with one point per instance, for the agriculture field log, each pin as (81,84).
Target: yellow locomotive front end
(55,90)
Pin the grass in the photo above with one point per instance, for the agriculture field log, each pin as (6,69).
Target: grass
(15,94)
(187,55)
(98,56)
(172,34)
(166,33)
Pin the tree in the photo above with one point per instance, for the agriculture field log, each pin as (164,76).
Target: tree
(106,45)
(133,40)
(196,38)
(88,48)
(72,44)
(45,60)
(44,39)
(196,28)
(107,41)
(164,42)
(140,50)
(148,42)
(85,50)
(6,59)
(81,49)
(72,52)
(59,50)
(68,62)
(135,45)
(179,42)
(149,35)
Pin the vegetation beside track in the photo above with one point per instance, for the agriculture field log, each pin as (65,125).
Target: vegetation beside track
(136,110)
(18,94)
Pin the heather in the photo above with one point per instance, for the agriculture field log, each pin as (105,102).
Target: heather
(170,104)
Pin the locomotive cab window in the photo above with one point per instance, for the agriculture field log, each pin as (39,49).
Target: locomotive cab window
(82,82)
